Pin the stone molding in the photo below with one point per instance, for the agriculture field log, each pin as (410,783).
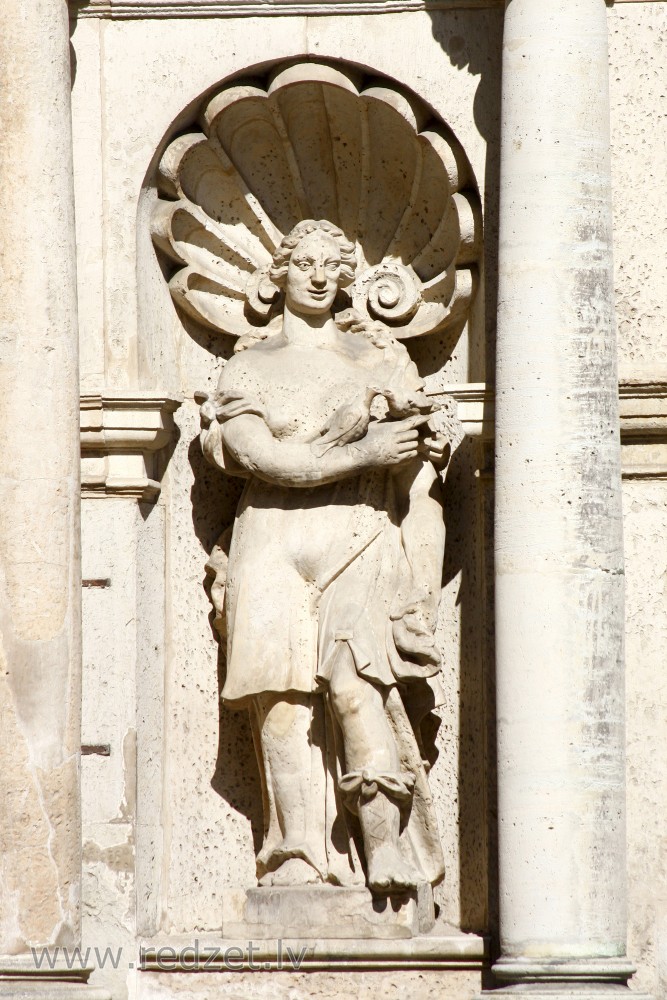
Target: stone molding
(643,408)
(475,408)
(643,405)
(137,9)
(15,967)
(596,970)
(20,977)
(643,411)
(454,951)
(121,434)
(128,10)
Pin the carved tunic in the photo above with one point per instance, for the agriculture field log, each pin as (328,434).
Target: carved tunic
(311,567)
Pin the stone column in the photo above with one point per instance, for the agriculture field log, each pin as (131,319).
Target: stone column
(559,554)
(40,586)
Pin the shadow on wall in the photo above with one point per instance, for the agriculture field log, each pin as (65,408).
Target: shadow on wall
(236,776)
(464,37)
(467,47)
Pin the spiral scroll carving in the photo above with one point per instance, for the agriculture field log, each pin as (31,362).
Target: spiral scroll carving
(312,144)
(390,292)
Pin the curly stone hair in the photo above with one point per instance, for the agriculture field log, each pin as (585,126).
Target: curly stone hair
(283,253)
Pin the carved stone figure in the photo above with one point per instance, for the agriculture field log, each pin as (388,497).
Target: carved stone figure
(333,577)
(326,591)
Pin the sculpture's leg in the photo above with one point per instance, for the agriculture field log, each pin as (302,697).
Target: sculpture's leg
(415,614)
(370,751)
(285,724)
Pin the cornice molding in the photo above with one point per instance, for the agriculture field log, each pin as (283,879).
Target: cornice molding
(128,10)
(643,405)
(131,10)
(176,955)
(643,414)
(121,432)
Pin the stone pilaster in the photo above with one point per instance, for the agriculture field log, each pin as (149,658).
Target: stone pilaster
(40,587)
(559,553)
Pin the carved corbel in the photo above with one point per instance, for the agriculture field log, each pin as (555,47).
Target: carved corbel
(121,436)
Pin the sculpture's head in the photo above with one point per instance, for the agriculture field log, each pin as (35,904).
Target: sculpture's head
(311,264)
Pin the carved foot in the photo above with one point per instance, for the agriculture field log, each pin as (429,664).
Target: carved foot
(294,871)
(388,872)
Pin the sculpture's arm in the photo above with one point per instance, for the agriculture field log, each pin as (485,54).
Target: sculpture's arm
(294,463)
(212,444)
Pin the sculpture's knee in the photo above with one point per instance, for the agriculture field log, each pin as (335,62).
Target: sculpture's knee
(348,697)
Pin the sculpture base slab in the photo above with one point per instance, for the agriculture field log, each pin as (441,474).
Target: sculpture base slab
(326,911)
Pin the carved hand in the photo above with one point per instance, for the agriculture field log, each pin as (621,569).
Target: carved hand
(392,442)
(207,410)
(437,449)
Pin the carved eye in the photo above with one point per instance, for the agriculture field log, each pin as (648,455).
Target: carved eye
(303,265)
(333,265)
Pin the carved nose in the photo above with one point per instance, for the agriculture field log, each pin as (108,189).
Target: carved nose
(319,278)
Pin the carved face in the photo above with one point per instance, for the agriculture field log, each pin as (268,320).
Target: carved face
(313,274)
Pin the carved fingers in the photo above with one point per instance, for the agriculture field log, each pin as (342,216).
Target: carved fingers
(394,442)
(226,406)
(437,448)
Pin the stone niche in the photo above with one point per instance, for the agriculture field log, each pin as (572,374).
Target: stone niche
(249,178)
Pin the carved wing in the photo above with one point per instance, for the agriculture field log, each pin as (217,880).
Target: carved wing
(315,144)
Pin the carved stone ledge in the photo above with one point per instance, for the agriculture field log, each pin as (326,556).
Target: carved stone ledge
(475,408)
(643,404)
(121,434)
(643,412)
(643,408)
(19,977)
(434,951)
(137,9)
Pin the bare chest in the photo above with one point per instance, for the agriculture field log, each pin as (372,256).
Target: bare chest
(304,387)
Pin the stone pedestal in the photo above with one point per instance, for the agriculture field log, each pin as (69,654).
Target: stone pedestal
(559,554)
(325,912)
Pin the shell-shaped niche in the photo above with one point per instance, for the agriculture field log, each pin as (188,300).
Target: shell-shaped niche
(314,145)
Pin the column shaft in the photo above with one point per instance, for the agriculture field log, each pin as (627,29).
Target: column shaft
(40,591)
(559,557)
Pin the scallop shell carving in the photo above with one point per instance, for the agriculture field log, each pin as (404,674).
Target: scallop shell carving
(314,145)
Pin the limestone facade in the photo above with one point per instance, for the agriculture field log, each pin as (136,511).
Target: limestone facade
(529,144)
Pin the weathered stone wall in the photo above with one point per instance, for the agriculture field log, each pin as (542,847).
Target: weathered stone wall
(170,848)
(638,34)
(136,84)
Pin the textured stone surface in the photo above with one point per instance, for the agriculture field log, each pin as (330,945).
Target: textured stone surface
(637,35)
(198,795)
(325,912)
(40,654)
(645,521)
(110,531)
(319,985)
(558,529)
(637,39)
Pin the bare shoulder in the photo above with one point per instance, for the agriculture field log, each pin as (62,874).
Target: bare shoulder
(360,348)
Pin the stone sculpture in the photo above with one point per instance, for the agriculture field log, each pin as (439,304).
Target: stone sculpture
(327,590)
(333,579)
